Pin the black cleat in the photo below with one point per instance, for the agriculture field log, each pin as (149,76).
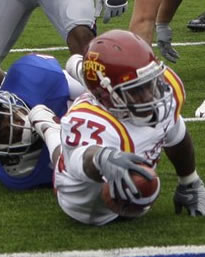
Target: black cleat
(197,24)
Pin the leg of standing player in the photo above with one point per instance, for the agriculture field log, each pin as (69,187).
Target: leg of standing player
(165,15)
(14,15)
(161,12)
(75,20)
(143,18)
(167,10)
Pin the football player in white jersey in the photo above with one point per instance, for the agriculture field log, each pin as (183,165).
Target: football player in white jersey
(131,112)
(74,20)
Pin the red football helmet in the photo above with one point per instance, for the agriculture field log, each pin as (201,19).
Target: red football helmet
(121,71)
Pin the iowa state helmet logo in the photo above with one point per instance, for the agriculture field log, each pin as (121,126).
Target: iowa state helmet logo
(91,65)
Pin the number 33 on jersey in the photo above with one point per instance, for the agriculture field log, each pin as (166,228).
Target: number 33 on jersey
(88,124)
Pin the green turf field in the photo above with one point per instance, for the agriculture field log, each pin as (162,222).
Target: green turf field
(32,220)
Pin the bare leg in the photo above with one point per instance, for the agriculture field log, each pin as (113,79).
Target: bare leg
(143,18)
(78,39)
(167,10)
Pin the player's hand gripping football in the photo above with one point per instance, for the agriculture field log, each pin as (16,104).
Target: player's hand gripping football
(114,166)
(191,197)
(114,8)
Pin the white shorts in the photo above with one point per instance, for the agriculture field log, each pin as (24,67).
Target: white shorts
(64,15)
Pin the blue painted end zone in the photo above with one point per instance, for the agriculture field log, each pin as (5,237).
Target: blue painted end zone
(173,255)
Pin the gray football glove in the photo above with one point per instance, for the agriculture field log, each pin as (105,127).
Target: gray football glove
(191,197)
(114,166)
(114,8)
(164,39)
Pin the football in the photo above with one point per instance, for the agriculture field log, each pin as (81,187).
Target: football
(149,191)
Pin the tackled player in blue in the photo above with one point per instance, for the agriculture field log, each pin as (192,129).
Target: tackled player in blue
(31,80)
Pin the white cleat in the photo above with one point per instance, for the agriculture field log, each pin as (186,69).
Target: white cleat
(200,111)
(42,118)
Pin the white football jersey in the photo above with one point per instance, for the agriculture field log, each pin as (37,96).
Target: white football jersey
(88,123)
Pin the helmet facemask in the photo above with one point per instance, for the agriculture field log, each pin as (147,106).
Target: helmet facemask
(145,100)
(16,127)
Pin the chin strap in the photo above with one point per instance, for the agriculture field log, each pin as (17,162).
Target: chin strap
(106,84)
(28,135)
(74,67)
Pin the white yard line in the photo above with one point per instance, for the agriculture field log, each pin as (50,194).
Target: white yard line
(60,48)
(126,252)
(193,119)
